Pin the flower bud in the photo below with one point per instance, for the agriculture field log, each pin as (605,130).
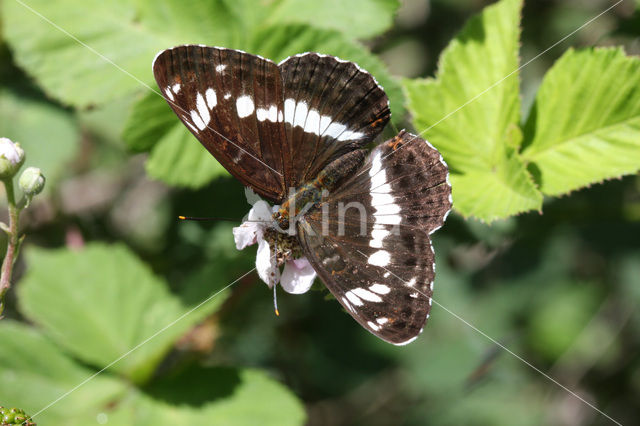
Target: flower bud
(31,181)
(11,158)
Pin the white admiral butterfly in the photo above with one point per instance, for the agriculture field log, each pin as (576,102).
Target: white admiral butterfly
(303,124)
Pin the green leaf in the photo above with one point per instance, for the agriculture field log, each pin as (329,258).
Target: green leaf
(127,35)
(102,63)
(471,112)
(149,121)
(503,192)
(101,302)
(48,134)
(237,396)
(373,16)
(34,373)
(585,125)
(179,159)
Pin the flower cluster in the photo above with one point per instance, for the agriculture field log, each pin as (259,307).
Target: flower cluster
(297,275)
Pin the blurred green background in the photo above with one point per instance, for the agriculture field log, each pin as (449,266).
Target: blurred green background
(561,289)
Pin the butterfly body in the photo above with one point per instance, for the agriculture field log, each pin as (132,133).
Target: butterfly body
(310,194)
(294,132)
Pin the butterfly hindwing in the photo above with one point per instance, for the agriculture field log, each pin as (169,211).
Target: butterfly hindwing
(377,259)
(232,102)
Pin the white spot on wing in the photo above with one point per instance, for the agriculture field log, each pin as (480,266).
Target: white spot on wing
(202,109)
(379,258)
(334,130)
(382,320)
(168,93)
(221,67)
(382,199)
(377,235)
(353,298)
(373,325)
(227,95)
(212,99)
(312,125)
(348,305)
(366,295)
(176,88)
(289,110)
(244,106)
(380,288)
(195,117)
(300,115)
(191,126)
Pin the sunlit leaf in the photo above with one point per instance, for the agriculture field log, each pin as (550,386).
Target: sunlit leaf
(101,303)
(471,111)
(373,16)
(585,125)
(89,52)
(179,159)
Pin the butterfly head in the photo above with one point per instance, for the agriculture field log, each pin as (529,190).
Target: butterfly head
(281,218)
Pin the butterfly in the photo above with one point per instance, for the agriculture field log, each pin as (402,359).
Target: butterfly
(296,133)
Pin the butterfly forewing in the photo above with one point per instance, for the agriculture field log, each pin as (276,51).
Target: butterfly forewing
(380,264)
(331,107)
(232,102)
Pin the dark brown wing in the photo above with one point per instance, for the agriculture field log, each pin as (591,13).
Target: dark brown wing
(233,103)
(331,107)
(377,259)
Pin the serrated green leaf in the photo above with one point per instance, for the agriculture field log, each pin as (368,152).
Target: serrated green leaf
(49,135)
(373,16)
(504,190)
(585,125)
(76,75)
(101,302)
(179,159)
(471,112)
(41,34)
(35,373)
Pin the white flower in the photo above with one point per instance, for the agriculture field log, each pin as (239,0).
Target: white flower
(297,275)
(11,151)
(11,157)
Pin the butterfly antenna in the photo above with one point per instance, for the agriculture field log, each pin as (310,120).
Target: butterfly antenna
(225,219)
(275,301)
(205,219)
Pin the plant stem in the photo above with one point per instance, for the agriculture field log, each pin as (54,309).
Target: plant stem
(13,241)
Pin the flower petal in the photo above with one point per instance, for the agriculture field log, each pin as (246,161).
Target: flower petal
(298,276)
(260,213)
(266,264)
(246,234)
